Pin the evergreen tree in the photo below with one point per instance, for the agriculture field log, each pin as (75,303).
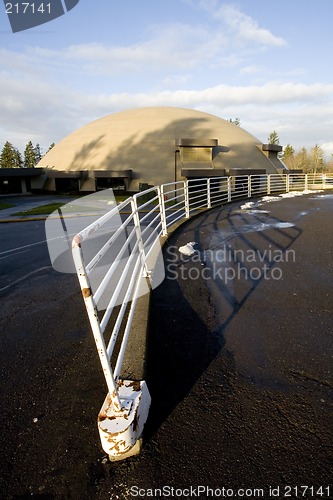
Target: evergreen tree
(18,158)
(273,138)
(51,146)
(32,155)
(9,157)
(38,153)
(288,152)
(235,121)
(29,156)
(288,157)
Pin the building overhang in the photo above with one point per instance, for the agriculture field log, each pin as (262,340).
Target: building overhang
(78,174)
(272,147)
(196,143)
(21,172)
(203,172)
(246,171)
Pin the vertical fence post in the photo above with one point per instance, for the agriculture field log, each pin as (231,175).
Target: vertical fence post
(136,219)
(287,183)
(186,199)
(268,184)
(229,189)
(162,210)
(94,322)
(209,201)
(249,187)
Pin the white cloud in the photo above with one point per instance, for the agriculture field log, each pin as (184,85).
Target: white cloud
(243,26)
(176,80)
(246,28)
(302,114)
(167,47)
(251,70)
(271,93)
(35,110)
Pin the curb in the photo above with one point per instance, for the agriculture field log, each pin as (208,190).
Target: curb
(4,221)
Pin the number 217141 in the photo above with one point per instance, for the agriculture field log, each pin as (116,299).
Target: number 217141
(28,8)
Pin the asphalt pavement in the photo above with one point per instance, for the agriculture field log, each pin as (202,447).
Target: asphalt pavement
(27,202)
(239,364)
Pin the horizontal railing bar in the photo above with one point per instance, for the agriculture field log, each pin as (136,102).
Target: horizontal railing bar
(113,339)
(156,215)
(105,247)
(117,291)
(148,203)
(174,220)
(105,281)
(127,330)
(94,226)
(146,241)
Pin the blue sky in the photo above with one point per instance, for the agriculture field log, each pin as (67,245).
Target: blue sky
(266,62)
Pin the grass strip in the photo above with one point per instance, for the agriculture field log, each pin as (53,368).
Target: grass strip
(6,205)
(42,210)
(51,207)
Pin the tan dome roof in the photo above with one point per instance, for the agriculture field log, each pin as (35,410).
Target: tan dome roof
(144,140)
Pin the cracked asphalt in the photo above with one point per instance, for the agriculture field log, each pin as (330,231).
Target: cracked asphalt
(239,363)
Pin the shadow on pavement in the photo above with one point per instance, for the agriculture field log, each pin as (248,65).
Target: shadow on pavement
(197,301)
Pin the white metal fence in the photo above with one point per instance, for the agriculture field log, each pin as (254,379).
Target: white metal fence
(123,256)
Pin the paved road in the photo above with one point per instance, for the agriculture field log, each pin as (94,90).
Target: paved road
(240,370)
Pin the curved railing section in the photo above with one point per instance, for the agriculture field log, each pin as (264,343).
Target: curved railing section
(116,260)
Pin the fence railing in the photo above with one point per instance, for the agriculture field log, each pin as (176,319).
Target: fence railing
(115,259)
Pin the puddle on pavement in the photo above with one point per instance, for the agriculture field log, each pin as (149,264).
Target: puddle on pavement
(322,197)
(253,228)
(302,214)
(252,211)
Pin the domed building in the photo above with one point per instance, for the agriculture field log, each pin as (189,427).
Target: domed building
(135,149)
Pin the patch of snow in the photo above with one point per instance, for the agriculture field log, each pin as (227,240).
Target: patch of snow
(187,249)
(257,211)
(268,199)
(248,205)
(292,194)
(301,214)
(281,225)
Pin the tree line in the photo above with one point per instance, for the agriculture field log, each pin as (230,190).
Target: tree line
(310,160)
(11,157)
(306,160)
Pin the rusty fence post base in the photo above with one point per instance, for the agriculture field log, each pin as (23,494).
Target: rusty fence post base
(120,431)
(135,450)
